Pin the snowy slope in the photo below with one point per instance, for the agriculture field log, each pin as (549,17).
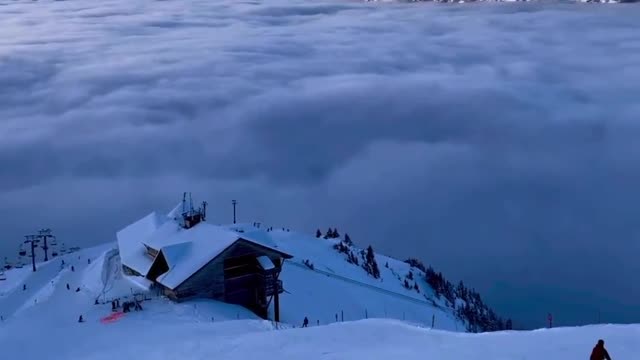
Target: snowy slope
(336,287)
(205,329)
(333,290)
(251,339)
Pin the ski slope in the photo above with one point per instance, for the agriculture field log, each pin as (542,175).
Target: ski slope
(334,290)
(42,321)
(164,338)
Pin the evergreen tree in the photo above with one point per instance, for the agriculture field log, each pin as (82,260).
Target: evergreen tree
(370,265)
(416,263)
(509,325)
(347,240)
(328,234)
(318,233)
(335,234)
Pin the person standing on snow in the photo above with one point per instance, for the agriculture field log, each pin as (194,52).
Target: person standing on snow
(305,322)
(599,352)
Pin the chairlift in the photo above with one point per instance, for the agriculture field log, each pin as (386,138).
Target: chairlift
(19,265)
(7,265)
(22,251)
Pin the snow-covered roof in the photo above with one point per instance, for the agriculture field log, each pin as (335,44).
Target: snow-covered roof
(132,250)
(174,253)
(260,237)
(265,262)
(191,249)
(185,250)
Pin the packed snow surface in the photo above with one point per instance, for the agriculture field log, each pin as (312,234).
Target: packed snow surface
(352,316)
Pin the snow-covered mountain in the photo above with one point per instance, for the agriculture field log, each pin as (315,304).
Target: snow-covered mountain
(319,283)
(332,282)
(470,1)
(328,280)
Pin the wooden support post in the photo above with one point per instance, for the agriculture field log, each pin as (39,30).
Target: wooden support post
(276,307)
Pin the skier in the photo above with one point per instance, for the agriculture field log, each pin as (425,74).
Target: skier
(24,287)
(305,322)
(68,287)
(78,290)
(80,319)
(73,268)
(599,352)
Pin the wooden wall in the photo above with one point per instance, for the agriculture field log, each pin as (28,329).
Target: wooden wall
(206,282)
(209,280)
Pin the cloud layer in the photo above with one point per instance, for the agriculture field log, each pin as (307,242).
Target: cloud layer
(497,142)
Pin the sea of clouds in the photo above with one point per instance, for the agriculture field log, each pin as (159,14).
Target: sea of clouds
(498,142)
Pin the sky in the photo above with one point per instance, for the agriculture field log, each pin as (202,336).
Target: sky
(496,142)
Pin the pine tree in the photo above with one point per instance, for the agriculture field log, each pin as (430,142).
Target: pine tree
(509,325)
(328,234)
(371,261)
(347,240)
(318,233)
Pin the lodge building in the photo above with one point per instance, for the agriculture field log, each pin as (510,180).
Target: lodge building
(187,258)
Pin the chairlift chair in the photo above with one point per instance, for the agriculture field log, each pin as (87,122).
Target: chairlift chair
(22,251)
(7,264)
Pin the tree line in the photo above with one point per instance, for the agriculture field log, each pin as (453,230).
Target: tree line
(467,303)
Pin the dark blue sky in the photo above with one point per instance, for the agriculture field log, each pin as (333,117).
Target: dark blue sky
(498,143)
